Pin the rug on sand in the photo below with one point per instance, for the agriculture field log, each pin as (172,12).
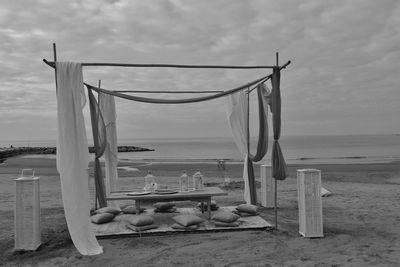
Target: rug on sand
(164,221)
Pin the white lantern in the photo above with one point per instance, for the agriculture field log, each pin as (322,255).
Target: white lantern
(184,182)
(27,212)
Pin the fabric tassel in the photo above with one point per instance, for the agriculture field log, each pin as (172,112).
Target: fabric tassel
(279,168)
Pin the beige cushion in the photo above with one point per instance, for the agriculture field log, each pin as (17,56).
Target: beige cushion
(141,228)
(247,208)
(177,226)
(188,219)
(163,205)
(142,220)
(131,209)
(102,218)
(111,210)
(225,216)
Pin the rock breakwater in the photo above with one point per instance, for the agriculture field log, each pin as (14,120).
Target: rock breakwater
(15,151)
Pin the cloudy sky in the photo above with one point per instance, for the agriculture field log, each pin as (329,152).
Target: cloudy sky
(344,76)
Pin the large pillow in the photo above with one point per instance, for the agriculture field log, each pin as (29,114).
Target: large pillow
(188,219)
(111,210)
(225,216)
(102,218)
(247,208)
(224,224)
(164,205)
(141,228)
(131,209)
(142,220)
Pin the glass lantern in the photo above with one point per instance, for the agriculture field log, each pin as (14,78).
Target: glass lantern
(184,182)
(198,181)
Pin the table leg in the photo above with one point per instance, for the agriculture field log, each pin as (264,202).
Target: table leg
(137,205)
(209,208)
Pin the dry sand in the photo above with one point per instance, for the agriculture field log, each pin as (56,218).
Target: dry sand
(361,223)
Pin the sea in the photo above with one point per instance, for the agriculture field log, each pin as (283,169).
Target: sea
(340,149)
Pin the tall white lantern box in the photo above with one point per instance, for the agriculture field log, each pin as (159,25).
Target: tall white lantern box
(267,198)
(27,212)
(310,203)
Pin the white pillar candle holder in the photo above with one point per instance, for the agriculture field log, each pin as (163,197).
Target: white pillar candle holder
(27,212)
(267,187)
(310,202)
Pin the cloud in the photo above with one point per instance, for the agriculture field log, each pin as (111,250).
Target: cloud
(343,78)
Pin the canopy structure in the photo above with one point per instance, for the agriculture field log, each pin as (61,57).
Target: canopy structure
(71,139)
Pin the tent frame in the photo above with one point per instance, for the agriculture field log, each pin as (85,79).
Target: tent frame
(91,64)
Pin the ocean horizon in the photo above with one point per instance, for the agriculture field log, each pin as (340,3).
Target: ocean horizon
(296,149)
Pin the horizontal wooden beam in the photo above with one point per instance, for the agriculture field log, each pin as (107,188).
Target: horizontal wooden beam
(51,63)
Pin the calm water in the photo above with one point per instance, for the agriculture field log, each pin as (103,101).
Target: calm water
(296,149)
(316,149)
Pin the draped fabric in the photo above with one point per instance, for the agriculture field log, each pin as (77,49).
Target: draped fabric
(279,169)
(237,112)
(99,140)
(73,157)
(107,108)
(177,101)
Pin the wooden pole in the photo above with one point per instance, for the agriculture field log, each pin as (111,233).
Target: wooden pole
(248,142)
(55,60)
(276,181)
(95,64)
(98,116)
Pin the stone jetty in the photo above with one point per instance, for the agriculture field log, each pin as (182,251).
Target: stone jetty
(7,152)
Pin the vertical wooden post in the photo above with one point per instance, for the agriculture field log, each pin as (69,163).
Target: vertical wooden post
(276,181)
(248,142)
(55,61)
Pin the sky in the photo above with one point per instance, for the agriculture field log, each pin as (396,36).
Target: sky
(343,79)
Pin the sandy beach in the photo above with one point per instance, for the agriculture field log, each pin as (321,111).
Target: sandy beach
(361,221)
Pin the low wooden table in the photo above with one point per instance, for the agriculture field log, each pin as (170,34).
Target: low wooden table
(198,195)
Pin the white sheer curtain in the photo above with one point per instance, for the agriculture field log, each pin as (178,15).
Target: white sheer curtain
(73,157)
(237,117)
(107,107)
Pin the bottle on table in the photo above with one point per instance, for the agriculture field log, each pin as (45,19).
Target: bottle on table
(198,180)
(184,182)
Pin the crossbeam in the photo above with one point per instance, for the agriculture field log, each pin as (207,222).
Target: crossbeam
(51,63)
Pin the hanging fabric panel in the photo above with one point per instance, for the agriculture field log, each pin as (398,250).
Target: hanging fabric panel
(73,157)
(99,140)
(107,109)
(279,169)
(177,101)
(237,118)
(237,108)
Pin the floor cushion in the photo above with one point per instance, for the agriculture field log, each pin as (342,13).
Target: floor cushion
(102,218)
(188,219)
(111,210)
(247,208)
(141,228)
(131,209)
(225,216)
(142,220)
(164,205)
(177,226)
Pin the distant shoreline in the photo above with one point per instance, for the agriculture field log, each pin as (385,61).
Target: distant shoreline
(7,152)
